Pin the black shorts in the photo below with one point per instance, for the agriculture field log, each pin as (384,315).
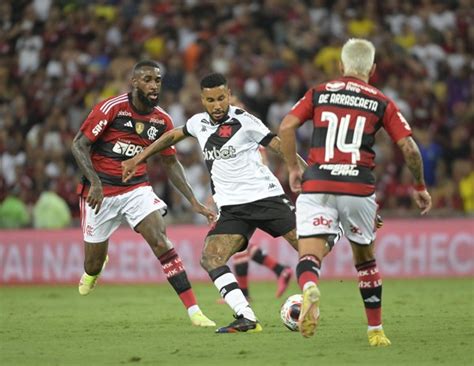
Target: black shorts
(274,215)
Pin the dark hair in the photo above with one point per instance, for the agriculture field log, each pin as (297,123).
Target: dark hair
(213,80)
(145,63)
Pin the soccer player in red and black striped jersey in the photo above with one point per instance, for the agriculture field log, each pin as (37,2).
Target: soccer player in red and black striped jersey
(338,187)
(116,129)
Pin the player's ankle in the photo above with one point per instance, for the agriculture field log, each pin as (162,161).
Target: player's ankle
(248,313)
(375,327)
(193,310)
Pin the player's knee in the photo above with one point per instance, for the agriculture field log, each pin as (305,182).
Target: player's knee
(205,263)
(210,261)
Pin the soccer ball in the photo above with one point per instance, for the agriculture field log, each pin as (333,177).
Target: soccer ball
(290,312)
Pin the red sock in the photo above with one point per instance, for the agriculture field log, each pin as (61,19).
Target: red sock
(176,275)
(260,257)
(370,286)
(307,270)
(269,262)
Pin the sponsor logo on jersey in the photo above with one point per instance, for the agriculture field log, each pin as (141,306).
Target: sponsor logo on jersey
(129,124)
(358,87)
(139,127)
(216,154)
(99,127)
(157,120)
(341,169)
(124,113)
(152,132)
(335,86)
(127,149)
(225,131)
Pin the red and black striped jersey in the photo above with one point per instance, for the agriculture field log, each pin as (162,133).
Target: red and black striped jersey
(346,114)
(118,132)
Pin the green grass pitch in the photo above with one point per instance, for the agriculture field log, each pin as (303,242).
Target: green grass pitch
(430,322)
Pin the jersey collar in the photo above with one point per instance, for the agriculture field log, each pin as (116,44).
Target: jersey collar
(227,118)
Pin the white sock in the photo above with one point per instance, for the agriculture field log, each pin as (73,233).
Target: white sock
(233,295)
(193,310)
(308,284)
(375,327)
(248,313)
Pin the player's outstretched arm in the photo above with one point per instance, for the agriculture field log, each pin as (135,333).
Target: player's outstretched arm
(80,148)
(129,167)
(413,159)
(176,175)
(288,147)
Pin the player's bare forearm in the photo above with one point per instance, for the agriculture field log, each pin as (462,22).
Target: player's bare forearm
(275,146)
(80,148)
(166,140)
(413,159)
(288,140)
(175,173)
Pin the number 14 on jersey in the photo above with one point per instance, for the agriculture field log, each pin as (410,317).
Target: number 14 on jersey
(337,135)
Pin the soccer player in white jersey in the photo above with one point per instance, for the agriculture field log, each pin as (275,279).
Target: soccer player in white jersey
(246,192)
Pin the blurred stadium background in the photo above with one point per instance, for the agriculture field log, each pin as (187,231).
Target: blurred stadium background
(60,57)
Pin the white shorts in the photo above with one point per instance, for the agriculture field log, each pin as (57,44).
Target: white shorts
(321,213)
(134,206)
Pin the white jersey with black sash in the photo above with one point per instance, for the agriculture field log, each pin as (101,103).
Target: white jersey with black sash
(231,152)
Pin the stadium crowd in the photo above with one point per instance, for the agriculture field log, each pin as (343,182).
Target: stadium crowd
(59,58)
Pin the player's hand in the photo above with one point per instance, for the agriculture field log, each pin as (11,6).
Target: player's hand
(423,200)
(205,211)
(295,177)
(378,221)
(129,167)
(95,197)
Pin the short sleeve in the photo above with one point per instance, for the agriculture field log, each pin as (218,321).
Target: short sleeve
(303,109)
(267,139)
(169,126)
(394,123)
(256,130)
(96,123)
(188,128)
